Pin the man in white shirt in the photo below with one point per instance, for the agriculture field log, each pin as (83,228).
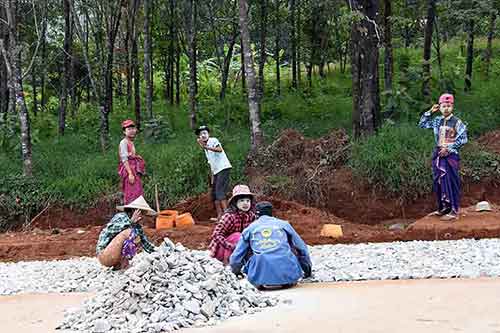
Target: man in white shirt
(220,167)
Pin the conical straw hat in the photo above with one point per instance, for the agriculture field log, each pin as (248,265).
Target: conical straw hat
(139,203)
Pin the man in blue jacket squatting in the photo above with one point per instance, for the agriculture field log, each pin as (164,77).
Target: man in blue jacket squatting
(271,252)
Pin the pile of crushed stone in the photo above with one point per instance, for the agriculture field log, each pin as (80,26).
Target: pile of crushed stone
(169,289)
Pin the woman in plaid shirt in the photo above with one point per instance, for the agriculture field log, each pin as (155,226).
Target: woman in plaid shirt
(120,239)
(238,216)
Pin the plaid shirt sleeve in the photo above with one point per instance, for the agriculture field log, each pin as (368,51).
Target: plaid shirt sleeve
(223,229)
(118,223)
(146,244)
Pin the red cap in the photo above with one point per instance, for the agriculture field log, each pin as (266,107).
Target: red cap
(128,123)
(447,98)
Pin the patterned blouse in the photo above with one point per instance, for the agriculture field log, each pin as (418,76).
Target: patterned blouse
(231,222)
(118,223)
(450,132)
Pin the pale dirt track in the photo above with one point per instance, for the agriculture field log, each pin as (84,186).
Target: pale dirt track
(382,306)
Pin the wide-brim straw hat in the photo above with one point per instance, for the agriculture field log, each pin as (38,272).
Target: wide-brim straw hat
(239,191)
(139,203)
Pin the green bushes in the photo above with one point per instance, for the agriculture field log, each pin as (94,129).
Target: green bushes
(396,160)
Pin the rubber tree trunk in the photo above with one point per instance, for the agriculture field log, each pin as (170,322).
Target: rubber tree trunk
(171,53)
(4,78)
(364,69)
(470,55)
(227,64)
(107,99)
(277,27)
(43,59)
(253,97)
(437,46)
(426,66)
(13,65)
(177,72)
(298,57)
(63,102)
(137,81)
(293,42)
(388,58)
(263,36)
(192,50)
(243,75)
(34,85)
(128,67)
(489,48)
(147,58)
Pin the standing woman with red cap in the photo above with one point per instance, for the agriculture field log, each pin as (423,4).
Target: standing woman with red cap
(450,134)
(131,166)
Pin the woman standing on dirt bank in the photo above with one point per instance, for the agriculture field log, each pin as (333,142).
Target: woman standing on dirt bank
(239,215)
(131,166)
(123,235)
(450,134)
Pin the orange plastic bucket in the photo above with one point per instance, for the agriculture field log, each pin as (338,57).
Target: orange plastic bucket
(166,219)
(184,221)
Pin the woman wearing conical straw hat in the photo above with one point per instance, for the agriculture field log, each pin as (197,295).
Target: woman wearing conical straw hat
(122,237)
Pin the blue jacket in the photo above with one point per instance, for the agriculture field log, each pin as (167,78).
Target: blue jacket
(271,252)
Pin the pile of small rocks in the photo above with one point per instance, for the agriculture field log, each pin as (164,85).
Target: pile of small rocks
(466,258)
(58,276)
(169,289)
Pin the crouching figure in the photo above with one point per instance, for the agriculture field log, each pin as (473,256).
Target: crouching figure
(270,252)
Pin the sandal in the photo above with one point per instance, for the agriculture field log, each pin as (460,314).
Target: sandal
(449,217)
(440,212)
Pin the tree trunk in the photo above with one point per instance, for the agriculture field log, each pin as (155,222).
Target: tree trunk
(171,53)
(177,72)
(426,67)
(12,60)
(298,62)
(438,48)
(293,43)
(107,99)
(470,55)
(388,59)
(4,78)
(243,73)
(364,68)
(262,57)
(88,80)
(253,97)
(192,49)
(137,81)
(227,62)
(43,59)
(34,84)
(277,47)
(63,102)
(489,52)
(128,67)
(147,58)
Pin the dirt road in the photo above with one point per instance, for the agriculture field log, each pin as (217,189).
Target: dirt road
(387,306)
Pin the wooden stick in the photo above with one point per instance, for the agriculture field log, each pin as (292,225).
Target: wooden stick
(157,199)
(38,215)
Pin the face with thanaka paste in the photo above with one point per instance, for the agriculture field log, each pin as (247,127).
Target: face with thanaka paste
(244,204)
(446,109)
(204,136)
(130,132)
